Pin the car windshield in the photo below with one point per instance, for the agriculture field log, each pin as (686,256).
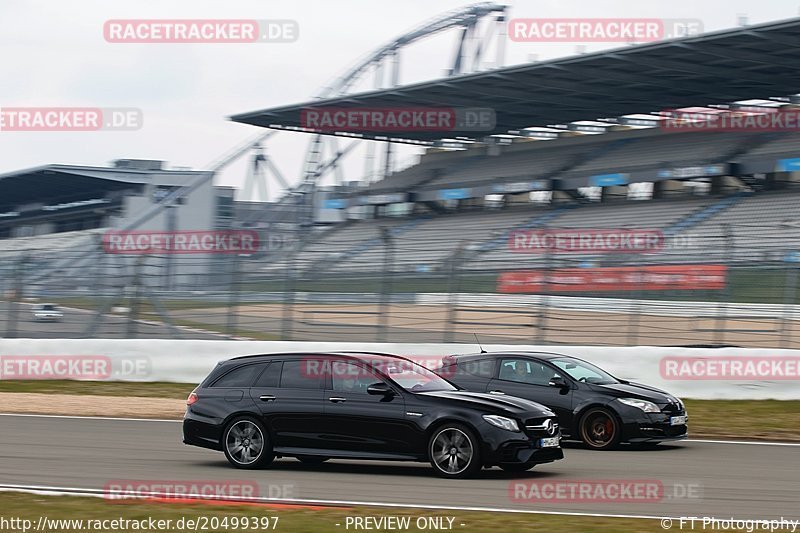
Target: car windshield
(583,371)
(411,376)
(48,307)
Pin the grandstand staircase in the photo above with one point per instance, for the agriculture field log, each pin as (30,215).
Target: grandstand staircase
(323,264)
(705,213)
(585,158)
(748,145)
(752,143)
(538,221)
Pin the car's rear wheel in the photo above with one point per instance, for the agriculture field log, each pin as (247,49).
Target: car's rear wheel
(246,444)
(454,452)
(517,467)
(599,429)
(312,459)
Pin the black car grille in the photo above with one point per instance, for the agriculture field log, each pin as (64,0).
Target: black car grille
(675,431)
(538,427)
(672,408)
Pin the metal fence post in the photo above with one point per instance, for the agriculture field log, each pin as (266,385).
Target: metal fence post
(636,307)
(544,300)
(233,300)
(722,307)
(133,313)
(289,291)
(16,296)
(789,301)
(386,284)
(453,290)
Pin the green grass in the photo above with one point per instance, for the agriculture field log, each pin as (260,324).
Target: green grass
(157,389)
(297,519)
(739,419)
(744,419)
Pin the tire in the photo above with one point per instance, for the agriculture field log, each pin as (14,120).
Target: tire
(246,444)
(599,429)
(517,467)
(312,459)
(454,452)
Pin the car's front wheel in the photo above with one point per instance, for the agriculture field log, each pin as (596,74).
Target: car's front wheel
(454,452)
(246,444)
(599,429)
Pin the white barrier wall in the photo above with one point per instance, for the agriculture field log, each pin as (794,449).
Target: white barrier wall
(726,373)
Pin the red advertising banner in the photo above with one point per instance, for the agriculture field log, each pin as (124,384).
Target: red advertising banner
(181,242)
(648,278)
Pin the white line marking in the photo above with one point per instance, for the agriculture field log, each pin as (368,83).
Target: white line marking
(762,443)
(79,417)
(98,493)
(33,415)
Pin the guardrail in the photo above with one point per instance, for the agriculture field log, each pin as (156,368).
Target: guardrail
(685,372)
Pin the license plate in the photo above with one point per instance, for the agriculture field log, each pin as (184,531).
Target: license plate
(677,420)
(551,442)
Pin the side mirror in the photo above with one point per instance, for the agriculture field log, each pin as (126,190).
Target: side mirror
(558,381)
(380,389)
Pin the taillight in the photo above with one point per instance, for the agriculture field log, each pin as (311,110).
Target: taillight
(192,398)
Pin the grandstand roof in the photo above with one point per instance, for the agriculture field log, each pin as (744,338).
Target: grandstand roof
(68,183)
(743,63)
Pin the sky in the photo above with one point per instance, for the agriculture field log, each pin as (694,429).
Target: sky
(53,54)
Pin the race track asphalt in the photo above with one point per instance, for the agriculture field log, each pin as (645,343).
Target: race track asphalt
(724,480)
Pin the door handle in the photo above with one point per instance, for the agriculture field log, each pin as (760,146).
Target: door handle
(496,392)
(337,399)
(267,398)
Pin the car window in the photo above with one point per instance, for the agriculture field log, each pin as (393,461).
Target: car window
(351,377)
(583,371)
(242,376)
(271,376)
(526,371)
(483,367)
(302,374)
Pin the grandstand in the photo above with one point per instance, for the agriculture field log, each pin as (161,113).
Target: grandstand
(536,169)
(432,234)
(55,215)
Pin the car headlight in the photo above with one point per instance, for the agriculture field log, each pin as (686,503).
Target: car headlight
(644,405)
(502,422)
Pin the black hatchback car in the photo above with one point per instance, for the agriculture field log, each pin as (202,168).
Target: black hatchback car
(362,406)
(592,405)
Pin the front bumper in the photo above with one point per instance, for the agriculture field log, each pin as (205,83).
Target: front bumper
(501,446)
(654,427)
